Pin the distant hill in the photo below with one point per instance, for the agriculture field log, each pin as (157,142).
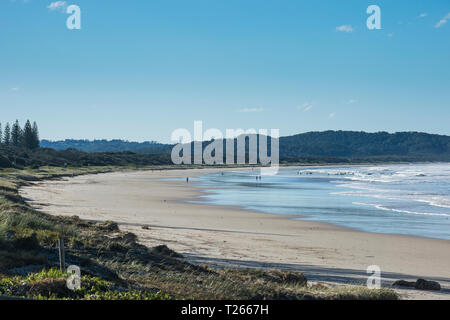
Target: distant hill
(326,146)
(148,147)
(352,144)
(19,157)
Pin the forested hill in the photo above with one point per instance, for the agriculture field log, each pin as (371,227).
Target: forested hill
(148,147)
(402,146)
(351,144)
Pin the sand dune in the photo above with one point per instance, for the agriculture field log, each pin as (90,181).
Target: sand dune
(229,236)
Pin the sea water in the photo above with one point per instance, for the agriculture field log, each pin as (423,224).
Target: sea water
(411,199)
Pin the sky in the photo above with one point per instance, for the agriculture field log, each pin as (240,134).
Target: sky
(139,69)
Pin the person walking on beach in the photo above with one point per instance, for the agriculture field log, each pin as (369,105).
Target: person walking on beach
(187,179)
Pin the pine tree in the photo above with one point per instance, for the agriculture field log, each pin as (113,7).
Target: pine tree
(16,134)
(35,136)
(7,135)
(1,134)
(28,137)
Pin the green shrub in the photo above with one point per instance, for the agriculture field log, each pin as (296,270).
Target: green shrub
(4,162)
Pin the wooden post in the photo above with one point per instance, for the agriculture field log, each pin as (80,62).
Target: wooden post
(62,258)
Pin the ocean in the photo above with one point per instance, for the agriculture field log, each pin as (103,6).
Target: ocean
(410,199)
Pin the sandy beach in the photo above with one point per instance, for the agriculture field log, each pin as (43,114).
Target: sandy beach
(230,236)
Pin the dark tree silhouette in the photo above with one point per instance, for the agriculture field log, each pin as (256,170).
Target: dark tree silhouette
(28,137)
(16,134)
(7,135)
(35,136)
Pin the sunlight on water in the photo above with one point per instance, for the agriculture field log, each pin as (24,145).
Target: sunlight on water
(403,199)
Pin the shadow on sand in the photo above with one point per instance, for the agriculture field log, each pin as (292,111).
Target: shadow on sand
(319,273)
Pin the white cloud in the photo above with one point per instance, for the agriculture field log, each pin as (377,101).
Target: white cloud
(15,89)
(423,15)
(443,21)
(332,115)
(345,28)
(305,107)
(390,35)
(57,5)
(352,101)
(251,110)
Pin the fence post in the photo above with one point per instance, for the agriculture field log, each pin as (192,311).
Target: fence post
(62,258)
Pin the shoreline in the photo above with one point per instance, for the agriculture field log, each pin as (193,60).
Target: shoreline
(297,217)
(228,236)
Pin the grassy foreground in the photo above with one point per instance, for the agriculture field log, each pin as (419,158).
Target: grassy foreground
(115,266)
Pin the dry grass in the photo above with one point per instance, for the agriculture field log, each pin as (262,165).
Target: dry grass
(236,284)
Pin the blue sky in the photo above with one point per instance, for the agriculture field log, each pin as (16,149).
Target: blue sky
(139,69)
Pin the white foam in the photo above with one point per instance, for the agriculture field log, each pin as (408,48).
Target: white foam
(381,207)
(402,183)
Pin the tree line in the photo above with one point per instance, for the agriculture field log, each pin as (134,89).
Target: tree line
(15,135)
